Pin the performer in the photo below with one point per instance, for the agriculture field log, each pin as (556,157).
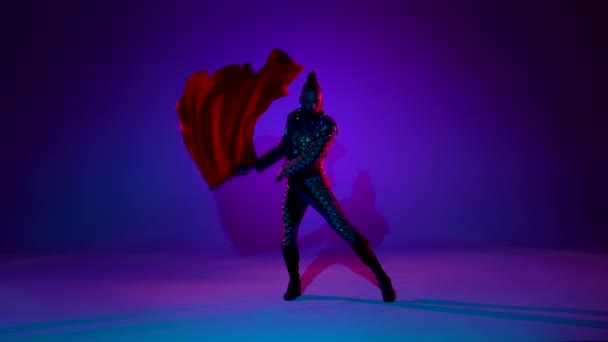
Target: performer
(308,136)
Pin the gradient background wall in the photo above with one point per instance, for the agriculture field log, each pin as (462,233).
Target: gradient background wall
(461,124)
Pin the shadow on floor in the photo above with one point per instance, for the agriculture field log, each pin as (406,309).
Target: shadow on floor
(474,309)
(443,306)
(512,307)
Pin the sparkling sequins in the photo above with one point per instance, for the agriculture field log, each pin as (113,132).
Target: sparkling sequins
(308,140)
(313,191)
(294,207)
(314,145)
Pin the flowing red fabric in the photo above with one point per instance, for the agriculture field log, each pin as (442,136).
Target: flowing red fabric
(218,113)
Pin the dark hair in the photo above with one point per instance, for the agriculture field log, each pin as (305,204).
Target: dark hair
(312,83)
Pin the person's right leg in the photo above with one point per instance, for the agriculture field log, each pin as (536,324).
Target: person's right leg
(294,208)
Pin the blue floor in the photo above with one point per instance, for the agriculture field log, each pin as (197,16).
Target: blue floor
(491,295)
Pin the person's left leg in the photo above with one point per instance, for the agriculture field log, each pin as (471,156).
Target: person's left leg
(318,194)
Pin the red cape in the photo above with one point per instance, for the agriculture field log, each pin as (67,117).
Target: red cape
(217,114)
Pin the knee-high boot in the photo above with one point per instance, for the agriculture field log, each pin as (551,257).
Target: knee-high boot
(291,255)
(364,251)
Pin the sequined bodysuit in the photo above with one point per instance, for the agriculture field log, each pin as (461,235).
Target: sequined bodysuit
(306,140)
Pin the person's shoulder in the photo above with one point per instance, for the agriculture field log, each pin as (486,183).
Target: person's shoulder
(327,124)
(327,121)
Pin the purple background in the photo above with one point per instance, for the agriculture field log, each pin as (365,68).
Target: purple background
(459,124)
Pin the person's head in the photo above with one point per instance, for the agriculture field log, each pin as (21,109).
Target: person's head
(311,98)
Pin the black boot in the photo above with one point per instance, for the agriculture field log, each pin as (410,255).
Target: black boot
(366,254)
(291,255)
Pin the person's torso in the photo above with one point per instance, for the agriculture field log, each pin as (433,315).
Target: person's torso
(302,130)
